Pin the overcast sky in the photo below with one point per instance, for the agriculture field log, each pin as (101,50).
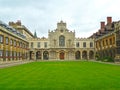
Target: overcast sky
(83,16)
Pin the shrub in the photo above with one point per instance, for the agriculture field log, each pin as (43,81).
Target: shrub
(107,59)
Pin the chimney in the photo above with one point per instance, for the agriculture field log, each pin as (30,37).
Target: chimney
(102,25)
(18,22)
(109,20)
(11,23)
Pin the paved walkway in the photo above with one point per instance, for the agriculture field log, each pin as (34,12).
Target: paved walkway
(13,63)
(113,63)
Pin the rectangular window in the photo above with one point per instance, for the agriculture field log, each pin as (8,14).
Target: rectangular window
(1,53)
(77,44)
(6,53)
(1,39)
(103,43)
(7,40)
(10,53)
(14,43)
(31,44)
(14,54)
(91,44)
(45,44)
(38,44)
(110,41)
(106,42)
(11,42)
(84,44)
(18,44)
(99,44)
(21,44)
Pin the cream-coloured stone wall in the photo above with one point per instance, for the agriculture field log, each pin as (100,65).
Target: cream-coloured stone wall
(67,52)
(35,42)
(82,40)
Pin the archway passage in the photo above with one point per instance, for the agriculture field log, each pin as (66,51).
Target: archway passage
(62,55)
(31,55)
(38,55)
(91,55)
(77,55)
(45,55)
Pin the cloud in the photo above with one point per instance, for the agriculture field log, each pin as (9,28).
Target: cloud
(83,16)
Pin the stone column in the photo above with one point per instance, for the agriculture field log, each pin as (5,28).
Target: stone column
(42,54)
(87,55)
(34,55)
(58,55)
(81,54)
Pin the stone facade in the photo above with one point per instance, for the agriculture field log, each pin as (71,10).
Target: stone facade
(61,44)
(107,40)
(13,44)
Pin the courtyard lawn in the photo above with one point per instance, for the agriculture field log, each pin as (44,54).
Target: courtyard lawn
(66,75)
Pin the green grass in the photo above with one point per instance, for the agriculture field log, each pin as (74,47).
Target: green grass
(61,76)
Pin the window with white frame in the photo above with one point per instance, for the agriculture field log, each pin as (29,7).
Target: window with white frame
(14,42)
(7,40)
(6,53)
(32,45)
(14,54)
(77,44)
(1,39)
(11,53)
(45,44)
(91,44)
(84,44)
(38,44)
(1,53)
(11,42)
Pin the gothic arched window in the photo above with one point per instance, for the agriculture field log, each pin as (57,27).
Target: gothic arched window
(61,41)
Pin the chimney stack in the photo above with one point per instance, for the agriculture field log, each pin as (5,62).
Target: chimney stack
(109,20)
(102,25)
(18,22)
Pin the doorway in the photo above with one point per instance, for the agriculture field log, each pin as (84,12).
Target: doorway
(62,54)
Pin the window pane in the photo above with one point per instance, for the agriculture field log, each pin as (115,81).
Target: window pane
(61,41)
(91,44)
(84,44)
(45,44)
(77,44)
(1,39)
(6,40)
(1,53)
(31,44)
(38,44)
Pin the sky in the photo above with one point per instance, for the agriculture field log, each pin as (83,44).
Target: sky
(81,16)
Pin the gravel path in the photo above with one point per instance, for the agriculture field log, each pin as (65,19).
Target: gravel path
(13,63)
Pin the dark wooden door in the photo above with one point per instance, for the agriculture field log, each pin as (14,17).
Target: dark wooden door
(62,55)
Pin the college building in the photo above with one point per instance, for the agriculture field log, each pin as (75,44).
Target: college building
(13,44)
(18,43)
(61,44)
(107,40)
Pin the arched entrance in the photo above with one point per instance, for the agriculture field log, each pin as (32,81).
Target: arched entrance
(45,55)
(38,55)
(84,55)
(77,55)
(91,55)
(62,55)
(31,55)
